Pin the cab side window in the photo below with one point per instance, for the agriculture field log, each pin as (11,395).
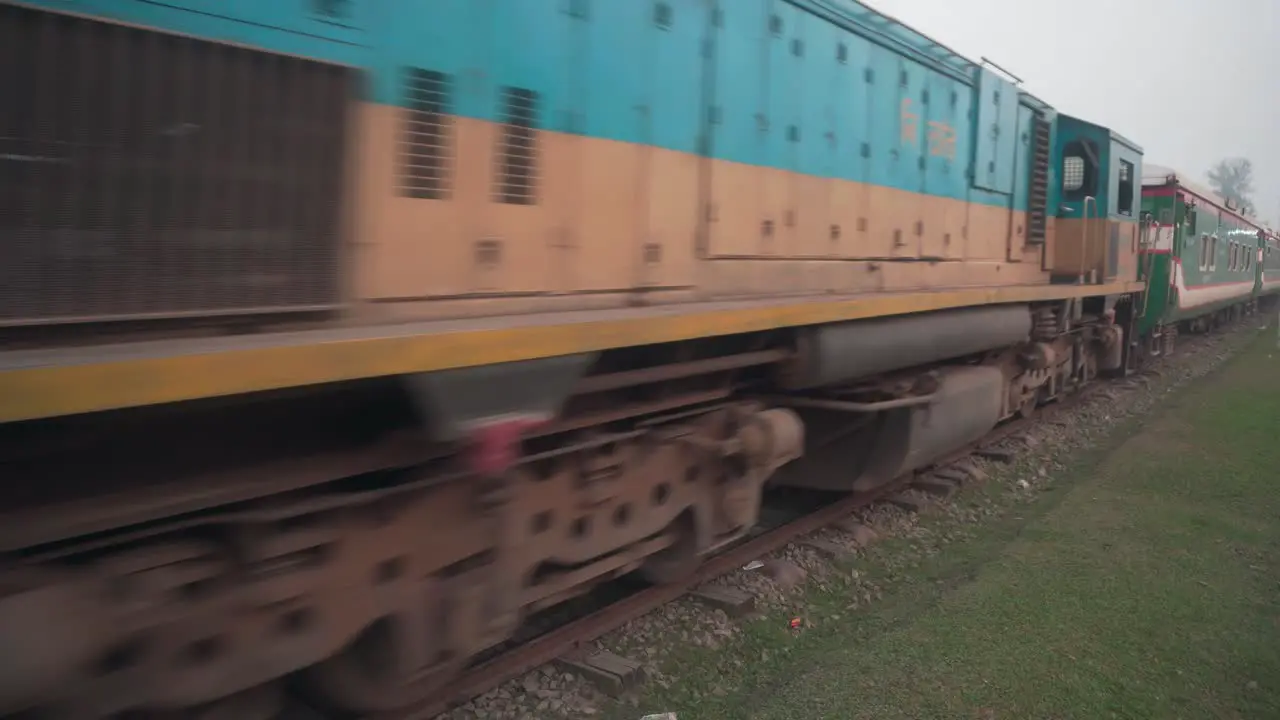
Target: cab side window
(1124,204)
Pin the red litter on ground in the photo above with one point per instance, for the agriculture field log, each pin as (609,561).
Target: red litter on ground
(795,623)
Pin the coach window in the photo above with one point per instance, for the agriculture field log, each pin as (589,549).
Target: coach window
(1191,220)
(1213,252)
(1079,170)
(1204,252)
(1125,200)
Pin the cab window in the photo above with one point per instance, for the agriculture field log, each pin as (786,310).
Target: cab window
(1125,199)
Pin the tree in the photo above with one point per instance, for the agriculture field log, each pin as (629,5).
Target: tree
(1232,178)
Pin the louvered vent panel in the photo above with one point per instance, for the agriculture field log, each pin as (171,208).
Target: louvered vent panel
(1038,195)
(427,142)
(517,177)
(149,175)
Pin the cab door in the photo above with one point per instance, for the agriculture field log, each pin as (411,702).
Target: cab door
(1080,238)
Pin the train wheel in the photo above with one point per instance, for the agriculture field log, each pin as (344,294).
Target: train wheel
(1028,406)
(261,703)
(678,561)
(381,670)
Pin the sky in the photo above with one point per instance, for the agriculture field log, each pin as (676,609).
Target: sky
(1190,81)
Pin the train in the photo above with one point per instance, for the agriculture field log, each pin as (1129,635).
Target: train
(1206,261)
(339,337)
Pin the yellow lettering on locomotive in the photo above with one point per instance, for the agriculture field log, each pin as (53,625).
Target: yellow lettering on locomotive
(909,122)
(942,140)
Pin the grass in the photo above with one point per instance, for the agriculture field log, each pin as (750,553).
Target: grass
(1147,585)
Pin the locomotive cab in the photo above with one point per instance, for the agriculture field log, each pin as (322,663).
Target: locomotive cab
(1098,209)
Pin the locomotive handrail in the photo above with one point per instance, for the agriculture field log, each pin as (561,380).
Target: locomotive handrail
(1088,234)
(1147,263)
(987,61)
(852,406)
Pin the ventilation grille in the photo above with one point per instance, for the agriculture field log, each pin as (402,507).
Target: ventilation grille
(517,154)
(1038,195)
(148,175)
(426,134)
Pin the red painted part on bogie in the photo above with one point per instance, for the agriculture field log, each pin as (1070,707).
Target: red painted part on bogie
(493,447)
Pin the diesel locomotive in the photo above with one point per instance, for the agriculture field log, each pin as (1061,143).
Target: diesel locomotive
(338,336)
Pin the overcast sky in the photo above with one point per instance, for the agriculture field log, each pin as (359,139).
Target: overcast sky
(1191,81)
